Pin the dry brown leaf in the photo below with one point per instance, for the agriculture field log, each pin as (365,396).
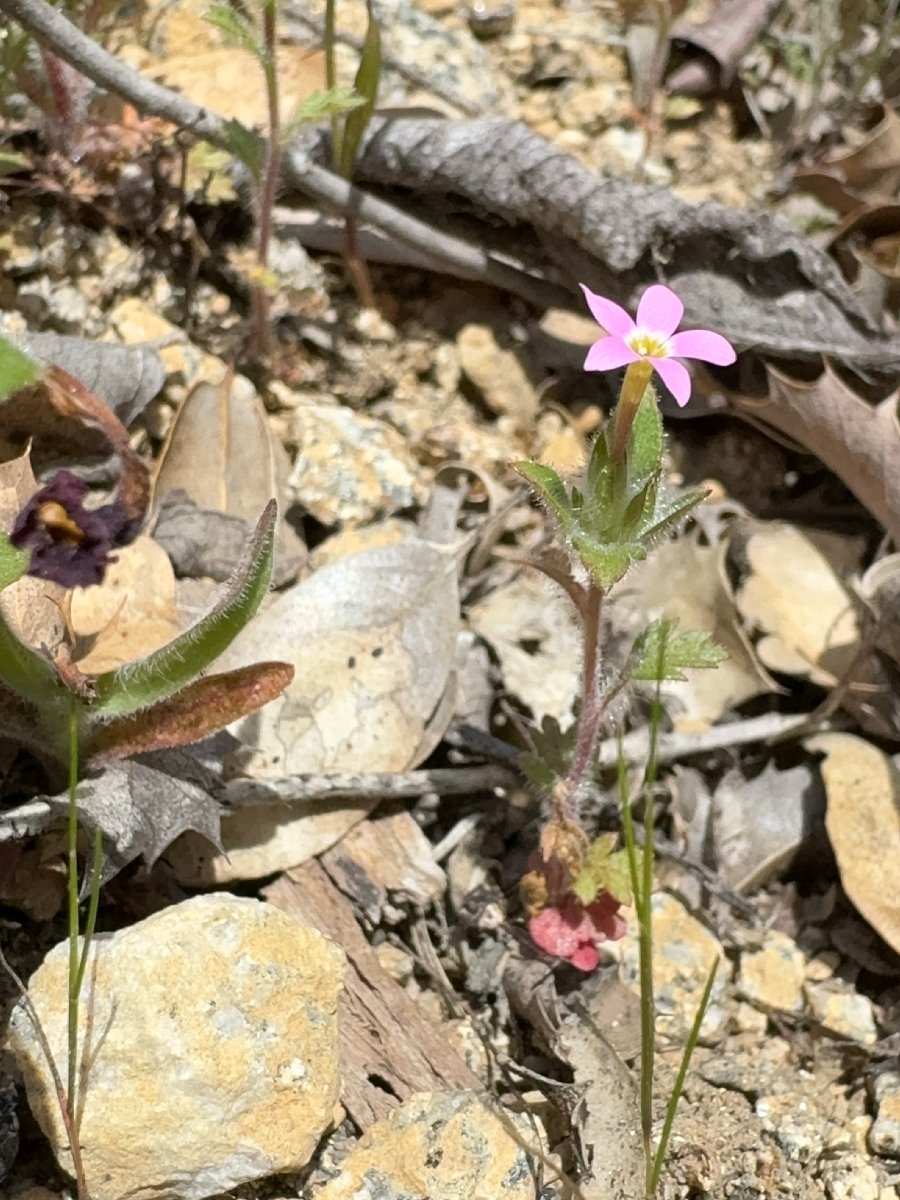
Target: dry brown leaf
(857,440)
(683,580)
(863,821)
(372,638)
(131,613)
(792,595)
(867,174)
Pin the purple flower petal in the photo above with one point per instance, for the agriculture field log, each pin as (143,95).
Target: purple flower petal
(659,310)
(609,353)
(704,345)
(608,315)
(676,377)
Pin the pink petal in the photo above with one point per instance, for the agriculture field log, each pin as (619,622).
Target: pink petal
(585,958)
(704,345)
(676,378)
(608,315)
(660,310)
(609,353)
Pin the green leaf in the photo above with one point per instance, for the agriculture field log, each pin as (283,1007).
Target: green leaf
(549,487)
(17,371)
(246,145)
(11,161)
(551,753)
(606,562)
(30,675)
(661,653)
(238,29)
(13,562)
(368,76)
(151,680)
(645,444)
(603,870)
(327,102)
(668,514)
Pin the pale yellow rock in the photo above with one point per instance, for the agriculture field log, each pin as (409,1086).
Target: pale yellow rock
(439,1147)
(683,955)
(211,1049)
(773,975)
(498,375)
(837,1006)
(350,467)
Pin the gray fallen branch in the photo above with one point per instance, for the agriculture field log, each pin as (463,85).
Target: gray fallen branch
(451,254)
(304,789)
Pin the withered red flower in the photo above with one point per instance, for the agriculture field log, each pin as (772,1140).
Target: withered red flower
(70,544)
(560,923)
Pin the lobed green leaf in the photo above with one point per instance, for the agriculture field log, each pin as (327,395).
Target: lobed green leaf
(660,653)
(550,489)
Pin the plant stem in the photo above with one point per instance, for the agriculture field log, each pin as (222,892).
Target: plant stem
(270,174)
(678,1086)
(62,1099)
(331,77)
(72,879)
(591,703)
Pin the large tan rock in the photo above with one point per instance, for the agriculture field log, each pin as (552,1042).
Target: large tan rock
(211,1049)
(450,1146)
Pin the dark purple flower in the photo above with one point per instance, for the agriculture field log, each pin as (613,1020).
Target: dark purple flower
(70,544)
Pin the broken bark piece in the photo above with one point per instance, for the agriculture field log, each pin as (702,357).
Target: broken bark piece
(722,41)
(388,858)
(389,1048)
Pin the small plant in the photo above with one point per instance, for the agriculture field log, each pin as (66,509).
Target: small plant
(259,36)
(71,719)
(576,887)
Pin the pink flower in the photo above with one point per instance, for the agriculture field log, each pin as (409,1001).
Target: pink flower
(573,930)
(652,337)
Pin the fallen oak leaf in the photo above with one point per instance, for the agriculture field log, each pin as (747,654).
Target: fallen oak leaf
(858,441)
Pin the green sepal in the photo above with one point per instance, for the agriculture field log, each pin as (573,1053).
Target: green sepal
(17,370)
(606,562)
(643,456)
(136,686)
(550,488)
(669,513)
(660,653)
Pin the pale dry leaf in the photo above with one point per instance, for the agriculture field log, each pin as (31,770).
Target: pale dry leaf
(792,595)
(862,785)
(608,1114)
(683,580)
(372,638)
(221,452)
(857,440)
(758,825)
(532,628)
(33,608)
(197,59)
(867,175)
(131,613)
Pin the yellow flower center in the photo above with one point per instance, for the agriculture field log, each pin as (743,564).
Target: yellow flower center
(649,345)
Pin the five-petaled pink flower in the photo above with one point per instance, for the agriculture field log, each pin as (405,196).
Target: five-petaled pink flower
(652,337)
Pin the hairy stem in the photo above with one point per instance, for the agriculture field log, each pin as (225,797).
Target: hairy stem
(592,706)
(270,174)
